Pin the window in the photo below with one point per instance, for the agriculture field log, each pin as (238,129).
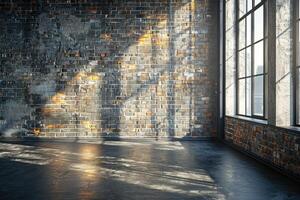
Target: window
(251,69)
(297,70)
(230,52)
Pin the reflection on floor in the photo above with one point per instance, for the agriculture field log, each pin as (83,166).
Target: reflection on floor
(135,169)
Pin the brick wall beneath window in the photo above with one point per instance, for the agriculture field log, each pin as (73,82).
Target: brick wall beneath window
(117,68)
(276,146)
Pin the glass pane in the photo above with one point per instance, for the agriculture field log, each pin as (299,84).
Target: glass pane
(259,58)
(257,2)
(259,24)
(248,61)
(242,64)
(258,98)
(241,100)
(249,5)
(230,8)
(248,96)
(248,21)
(230,44)
(242,7)
(242,26)
(299,9)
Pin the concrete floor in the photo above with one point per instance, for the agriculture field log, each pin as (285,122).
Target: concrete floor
(134,169)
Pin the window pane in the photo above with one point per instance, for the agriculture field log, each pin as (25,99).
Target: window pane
(248,61)
(248,96)
(259,58)
(230,8)
(257,2)
(248,21)
(230,44)
(249,5)
(241,64)
(259,24)
(242,7)
(242,26)
(241,100)
(299,9)
(258,98)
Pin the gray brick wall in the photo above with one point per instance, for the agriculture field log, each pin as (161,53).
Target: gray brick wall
(117,68)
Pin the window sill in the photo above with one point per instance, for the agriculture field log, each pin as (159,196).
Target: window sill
(249,119)
(293,129)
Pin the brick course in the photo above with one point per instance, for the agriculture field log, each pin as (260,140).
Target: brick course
(277,146)
(119,68)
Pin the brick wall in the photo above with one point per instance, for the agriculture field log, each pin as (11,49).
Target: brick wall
(276,146)
(117,68)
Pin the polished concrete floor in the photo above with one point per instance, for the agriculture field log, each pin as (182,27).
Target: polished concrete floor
(136,169)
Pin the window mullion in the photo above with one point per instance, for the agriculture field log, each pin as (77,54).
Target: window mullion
(237,39)
(252,63)
(296,81)
(248,79)
(246,41)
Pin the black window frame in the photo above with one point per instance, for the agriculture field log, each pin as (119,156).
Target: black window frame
(296,68)
(250,13)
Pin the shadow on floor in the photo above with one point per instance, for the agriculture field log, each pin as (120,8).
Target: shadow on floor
(136,169)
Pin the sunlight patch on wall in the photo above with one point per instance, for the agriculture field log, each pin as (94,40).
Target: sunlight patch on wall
(62,118)
(170,65)
(147,77)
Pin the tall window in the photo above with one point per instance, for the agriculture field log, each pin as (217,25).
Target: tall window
(297,80)
(251,69)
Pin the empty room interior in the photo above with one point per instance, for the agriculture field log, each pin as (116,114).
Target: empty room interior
(150,99)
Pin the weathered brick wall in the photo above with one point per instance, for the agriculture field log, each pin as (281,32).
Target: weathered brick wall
(93,68)
(277,146)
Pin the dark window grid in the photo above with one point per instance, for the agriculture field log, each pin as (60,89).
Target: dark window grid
(264,74)
(296,82)
(263,116)
(252,44)
(252,62)
(252,96)
(254,8)
(255,75)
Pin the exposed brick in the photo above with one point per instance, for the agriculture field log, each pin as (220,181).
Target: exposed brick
(274,145)
(92,68)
